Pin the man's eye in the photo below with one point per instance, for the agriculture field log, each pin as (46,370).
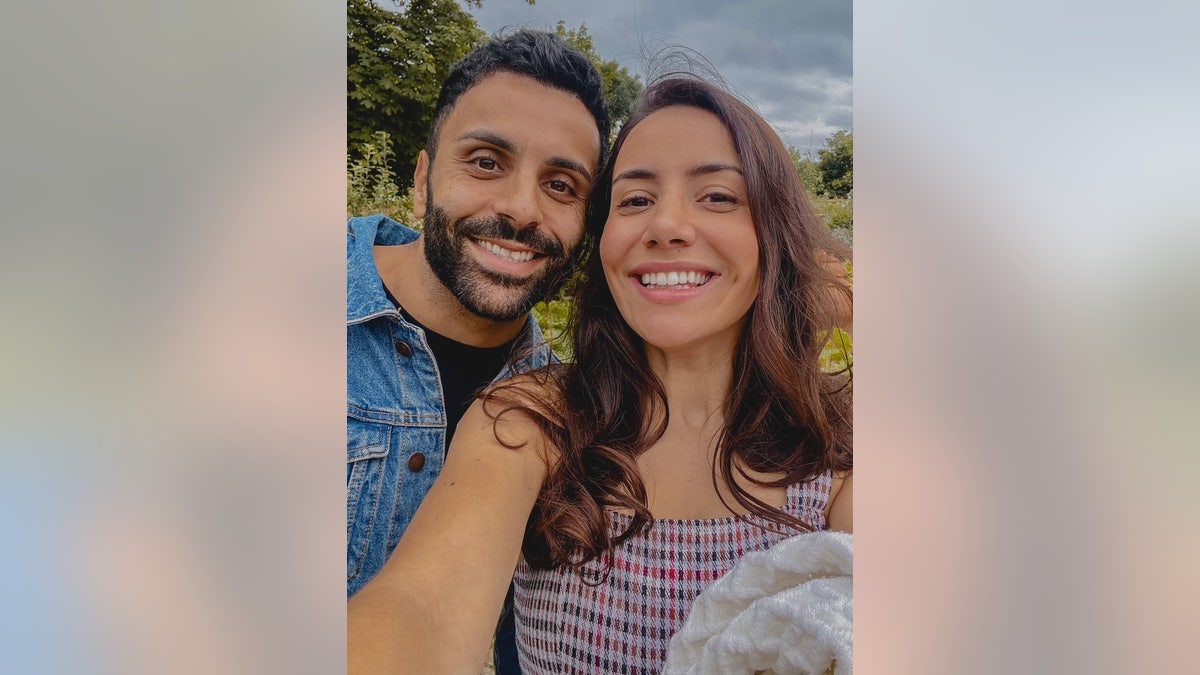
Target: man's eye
(561,186)
(486,163)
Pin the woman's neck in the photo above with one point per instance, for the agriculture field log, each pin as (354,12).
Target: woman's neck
(697,383)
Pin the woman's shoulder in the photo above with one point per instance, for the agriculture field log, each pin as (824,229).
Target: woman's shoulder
(539,390)
(524,407)
(840,511)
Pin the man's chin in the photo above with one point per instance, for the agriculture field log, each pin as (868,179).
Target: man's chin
(492,277)
(495,312)
(497,302)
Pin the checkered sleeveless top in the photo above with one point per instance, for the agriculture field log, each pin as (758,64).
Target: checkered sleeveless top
(623,625)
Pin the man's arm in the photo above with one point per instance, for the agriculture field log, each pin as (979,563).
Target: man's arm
(433,606)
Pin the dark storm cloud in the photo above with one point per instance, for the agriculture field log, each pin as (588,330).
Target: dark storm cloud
(791,60)
(766,34)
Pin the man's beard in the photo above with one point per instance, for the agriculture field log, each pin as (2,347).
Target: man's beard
(484,292)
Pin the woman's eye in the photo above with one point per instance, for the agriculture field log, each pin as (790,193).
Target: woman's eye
(721,198)
(635,202)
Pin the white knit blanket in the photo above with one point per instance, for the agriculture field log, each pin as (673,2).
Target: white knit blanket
(786,610)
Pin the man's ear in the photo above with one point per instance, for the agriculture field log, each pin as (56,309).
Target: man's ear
(420,181)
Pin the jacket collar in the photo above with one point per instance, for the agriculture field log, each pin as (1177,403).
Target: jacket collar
(365,297)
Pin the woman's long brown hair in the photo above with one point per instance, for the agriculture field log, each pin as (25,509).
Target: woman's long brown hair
(785,416)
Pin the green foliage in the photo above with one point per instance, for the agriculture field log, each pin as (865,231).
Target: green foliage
(838,354)
(371,185)
(621,88)
(836,163)
(839,216)
(839,213)
(396,63)
(807,169)
(834,201)
(552,319)
(831,172)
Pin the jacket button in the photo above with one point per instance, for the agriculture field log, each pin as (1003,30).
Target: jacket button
(416,462)
(404,348)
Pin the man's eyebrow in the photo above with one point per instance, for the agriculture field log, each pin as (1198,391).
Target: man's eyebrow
(489,137)
(493,138)
(568,164)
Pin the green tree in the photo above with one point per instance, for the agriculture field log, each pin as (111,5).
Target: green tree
(837,211)
(621,88)
(836,163)
(396,63)
(806,168)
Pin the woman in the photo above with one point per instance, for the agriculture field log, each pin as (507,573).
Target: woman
(694,426)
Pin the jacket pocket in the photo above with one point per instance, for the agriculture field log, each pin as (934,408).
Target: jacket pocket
(366,453)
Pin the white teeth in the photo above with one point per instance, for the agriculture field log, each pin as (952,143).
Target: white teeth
(517,256)
(675,278)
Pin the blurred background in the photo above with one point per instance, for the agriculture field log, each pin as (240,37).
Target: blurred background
(174,185)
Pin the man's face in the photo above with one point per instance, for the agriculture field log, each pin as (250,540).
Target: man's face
(504,198)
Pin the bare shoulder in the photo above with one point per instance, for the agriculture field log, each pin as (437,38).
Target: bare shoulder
(543,385)
(839,513)
(515,413)
(535,394)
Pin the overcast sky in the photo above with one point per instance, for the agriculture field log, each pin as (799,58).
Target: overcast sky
(790,59)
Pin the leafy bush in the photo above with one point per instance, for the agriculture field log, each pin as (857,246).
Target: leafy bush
(371,185)
(830,182)
(839,216)
(838,354)
(552,319)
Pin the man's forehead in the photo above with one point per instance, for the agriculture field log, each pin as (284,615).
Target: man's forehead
(502,81)
(518,107)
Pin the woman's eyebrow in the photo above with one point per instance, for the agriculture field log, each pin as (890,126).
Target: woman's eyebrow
(698,170)
(635,174)
(713,167)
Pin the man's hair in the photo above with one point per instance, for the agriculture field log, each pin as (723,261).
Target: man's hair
(544,57)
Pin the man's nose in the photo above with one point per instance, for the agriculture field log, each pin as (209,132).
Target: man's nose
(520,200)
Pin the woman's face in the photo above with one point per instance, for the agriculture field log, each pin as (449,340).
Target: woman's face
(679,249)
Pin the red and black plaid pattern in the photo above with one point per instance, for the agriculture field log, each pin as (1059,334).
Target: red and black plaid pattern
(566,626)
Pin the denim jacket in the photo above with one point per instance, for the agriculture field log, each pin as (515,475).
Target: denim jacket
(395,414)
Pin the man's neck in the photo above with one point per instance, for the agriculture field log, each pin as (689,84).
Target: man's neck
(408,276)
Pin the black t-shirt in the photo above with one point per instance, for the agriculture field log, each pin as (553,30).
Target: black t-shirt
(464,369)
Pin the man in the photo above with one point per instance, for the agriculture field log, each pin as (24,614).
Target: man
(518,133)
